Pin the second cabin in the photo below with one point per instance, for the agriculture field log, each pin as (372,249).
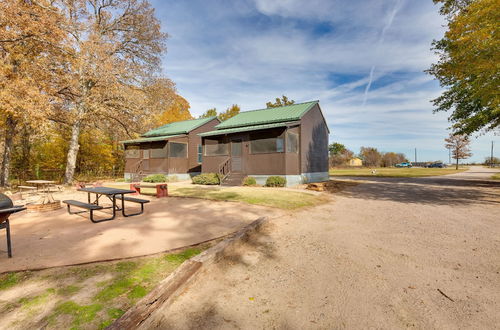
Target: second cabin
(289,141)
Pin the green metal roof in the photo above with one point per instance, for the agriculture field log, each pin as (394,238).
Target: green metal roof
(246,128)
(268,116)
(149,139)
(178,127)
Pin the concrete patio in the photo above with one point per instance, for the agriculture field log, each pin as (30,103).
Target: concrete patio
(56,238)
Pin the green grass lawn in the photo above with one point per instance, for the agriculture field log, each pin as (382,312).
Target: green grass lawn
(273,197)
(83,297)
(496,176)
(395,172)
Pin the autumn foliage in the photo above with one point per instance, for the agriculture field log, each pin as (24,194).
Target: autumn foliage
(76,77)
(468,65)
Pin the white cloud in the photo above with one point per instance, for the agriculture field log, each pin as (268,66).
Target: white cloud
(249,52)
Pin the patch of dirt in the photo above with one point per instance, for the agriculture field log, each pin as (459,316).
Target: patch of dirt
(380,256)
(332,186)
(56,238)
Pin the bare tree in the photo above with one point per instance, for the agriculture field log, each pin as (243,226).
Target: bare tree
(459,146)
(371,156)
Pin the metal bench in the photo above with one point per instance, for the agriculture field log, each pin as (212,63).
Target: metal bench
(90,207)
(133,200)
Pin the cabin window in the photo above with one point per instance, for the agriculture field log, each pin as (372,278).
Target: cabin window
(292,142)
(177,150)
(266,143)
(132,152)
(200,152)
(215,148)
(145,154)
(159,153)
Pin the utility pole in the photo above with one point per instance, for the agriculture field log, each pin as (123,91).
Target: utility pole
(449,155)
(491,157)
(415,155)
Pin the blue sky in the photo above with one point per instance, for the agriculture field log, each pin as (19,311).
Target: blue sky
(363,60)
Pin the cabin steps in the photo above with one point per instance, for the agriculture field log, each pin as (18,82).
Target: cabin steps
(233,179)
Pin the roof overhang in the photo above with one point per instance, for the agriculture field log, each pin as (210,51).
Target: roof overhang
(160,131)
(150,139)
(248,128)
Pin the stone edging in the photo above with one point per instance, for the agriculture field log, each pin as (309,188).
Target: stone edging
(185,273)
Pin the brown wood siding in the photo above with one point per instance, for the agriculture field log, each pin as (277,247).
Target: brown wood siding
(194,141)
(211,163)
(266,164)
(131,164)
(313,142)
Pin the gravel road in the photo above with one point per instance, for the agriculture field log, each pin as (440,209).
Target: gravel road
(389,253)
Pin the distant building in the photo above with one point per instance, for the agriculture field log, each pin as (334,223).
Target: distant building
(355,162)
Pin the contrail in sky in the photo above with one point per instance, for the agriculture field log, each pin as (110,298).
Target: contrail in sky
(380,41)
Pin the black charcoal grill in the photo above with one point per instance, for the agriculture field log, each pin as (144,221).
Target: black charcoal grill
(6,209)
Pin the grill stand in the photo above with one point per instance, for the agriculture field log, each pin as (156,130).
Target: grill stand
(6,225)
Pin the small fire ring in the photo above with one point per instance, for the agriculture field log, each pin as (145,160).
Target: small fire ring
(39,207)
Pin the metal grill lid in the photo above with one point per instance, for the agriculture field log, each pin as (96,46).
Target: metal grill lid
(5,202)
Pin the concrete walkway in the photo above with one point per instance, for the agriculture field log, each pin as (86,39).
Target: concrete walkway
(41,240)
(387,254)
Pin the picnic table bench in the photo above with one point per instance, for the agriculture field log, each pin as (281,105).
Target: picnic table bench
(135,200)
(29,188)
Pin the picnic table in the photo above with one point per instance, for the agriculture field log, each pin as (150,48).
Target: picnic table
(111,194)
(44,186)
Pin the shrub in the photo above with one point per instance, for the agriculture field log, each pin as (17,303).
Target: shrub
(249,181)
(275,181)
(206,178)
(154,178)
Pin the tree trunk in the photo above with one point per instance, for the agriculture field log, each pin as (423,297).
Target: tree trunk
(25,150)
(10,131)
(74,146)
(457,162)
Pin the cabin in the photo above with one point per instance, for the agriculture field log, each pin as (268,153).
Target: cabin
(355,162)
(173,149)
(289,141)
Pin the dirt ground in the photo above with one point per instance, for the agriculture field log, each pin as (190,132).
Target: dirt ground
(56,238)
(388,253)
